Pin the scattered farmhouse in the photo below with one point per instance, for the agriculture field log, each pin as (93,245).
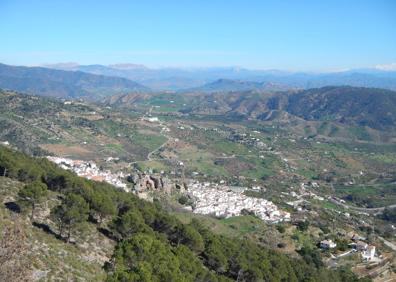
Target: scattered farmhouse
(327,244)
(369,253)
(151,119)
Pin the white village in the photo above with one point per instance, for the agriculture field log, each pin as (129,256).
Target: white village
(90,170)
(222,201)
(209,198)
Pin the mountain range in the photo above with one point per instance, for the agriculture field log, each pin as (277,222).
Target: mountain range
(64,84)
(225,78)
(352,106)
(358,106)
(95,82)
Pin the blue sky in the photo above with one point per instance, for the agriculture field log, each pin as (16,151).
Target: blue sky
(290,35)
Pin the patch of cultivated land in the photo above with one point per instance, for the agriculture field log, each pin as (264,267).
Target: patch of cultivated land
(76,151)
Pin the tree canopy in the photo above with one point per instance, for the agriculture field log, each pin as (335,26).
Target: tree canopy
(33,194)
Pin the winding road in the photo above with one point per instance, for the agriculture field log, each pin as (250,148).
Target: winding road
(157,149)
(367,210)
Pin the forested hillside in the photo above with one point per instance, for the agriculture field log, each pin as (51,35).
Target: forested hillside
(151,245)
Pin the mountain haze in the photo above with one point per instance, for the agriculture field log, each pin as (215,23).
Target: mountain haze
(225,78)
(228,85)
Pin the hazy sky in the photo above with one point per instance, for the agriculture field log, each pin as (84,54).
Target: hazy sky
(296,35)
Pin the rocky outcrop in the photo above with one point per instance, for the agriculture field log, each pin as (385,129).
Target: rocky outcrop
(146,182)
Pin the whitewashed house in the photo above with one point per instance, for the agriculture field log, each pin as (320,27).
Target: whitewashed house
(369,253)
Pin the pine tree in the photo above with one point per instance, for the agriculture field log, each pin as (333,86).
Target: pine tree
(33,194)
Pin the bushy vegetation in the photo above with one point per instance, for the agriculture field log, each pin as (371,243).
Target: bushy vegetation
(389,215)
(369,196)
(151,244)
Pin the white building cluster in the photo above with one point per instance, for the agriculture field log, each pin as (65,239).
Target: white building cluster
(90,170)
(221,201)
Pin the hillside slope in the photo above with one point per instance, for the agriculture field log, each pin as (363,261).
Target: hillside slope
(48,258)
(76,129)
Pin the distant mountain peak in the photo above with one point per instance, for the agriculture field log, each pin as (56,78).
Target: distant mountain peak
(227,85)
(62,66)
(127,66)
(386,67)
